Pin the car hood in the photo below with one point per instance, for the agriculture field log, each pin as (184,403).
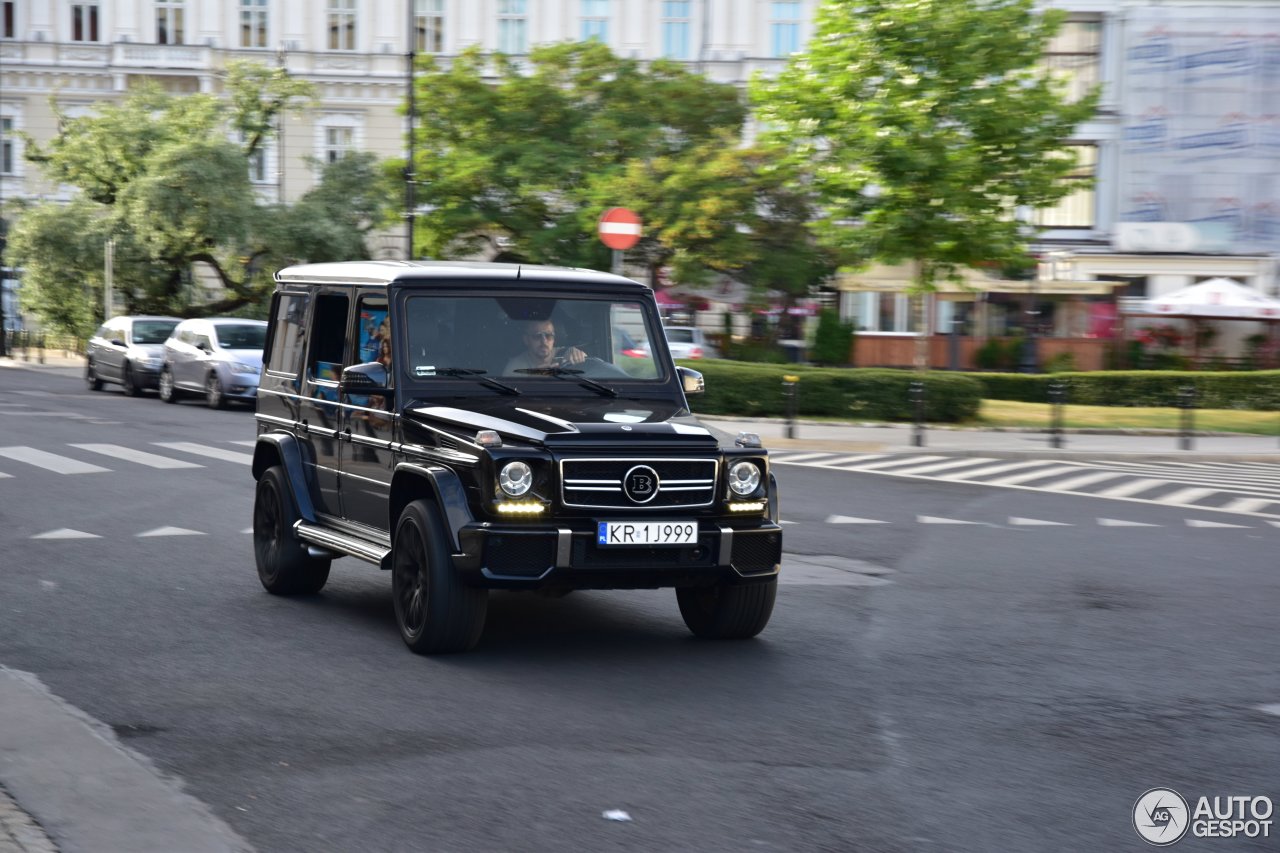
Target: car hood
(147,350)
(556,423)
(251,357)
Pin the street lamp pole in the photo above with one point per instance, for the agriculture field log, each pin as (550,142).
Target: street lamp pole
(410,201)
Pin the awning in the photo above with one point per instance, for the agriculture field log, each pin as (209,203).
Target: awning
(898,279)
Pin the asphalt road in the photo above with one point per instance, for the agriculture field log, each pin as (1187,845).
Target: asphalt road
(922,686)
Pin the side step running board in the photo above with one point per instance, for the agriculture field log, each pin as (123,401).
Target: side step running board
(341,544)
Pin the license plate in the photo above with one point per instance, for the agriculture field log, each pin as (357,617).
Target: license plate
(647,533)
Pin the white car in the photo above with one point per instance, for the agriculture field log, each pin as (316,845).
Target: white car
(689,342)
(219,358)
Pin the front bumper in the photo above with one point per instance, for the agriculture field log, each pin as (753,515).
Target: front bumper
(527,557)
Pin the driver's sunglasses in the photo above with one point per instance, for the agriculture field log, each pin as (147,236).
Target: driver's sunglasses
(550,336)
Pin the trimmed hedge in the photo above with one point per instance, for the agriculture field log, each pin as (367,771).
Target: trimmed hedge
(1258,389)
(872,394)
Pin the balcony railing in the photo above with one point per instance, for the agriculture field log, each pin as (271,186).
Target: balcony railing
(191,57)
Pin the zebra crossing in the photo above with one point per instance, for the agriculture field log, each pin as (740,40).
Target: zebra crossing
(18,460)
(1248,488)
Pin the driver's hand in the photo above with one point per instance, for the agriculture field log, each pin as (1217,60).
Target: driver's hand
(572,355)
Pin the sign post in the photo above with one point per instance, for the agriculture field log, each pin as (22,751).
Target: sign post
(619,229)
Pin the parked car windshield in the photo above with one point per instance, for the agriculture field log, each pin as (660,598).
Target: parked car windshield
(237,336)
(152,331)
(533,338)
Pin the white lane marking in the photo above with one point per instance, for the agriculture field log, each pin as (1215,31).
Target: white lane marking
(4,476)
(1274,523)
(1132,487)
(66,533)
(892,463)
(50,461)
(1248,504)
(250,529)
(140,456)
(1118,522)
(1032,475)
(942,466)
(205,450)
(993,469)
(780,522)
(1182,497)
(1036,522)
(933,519)
(250,443)
(169,531)
(1084,480)
(1270,709)
(1196,522)
(849,519)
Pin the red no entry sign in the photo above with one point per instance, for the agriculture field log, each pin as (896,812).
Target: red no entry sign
(619,228)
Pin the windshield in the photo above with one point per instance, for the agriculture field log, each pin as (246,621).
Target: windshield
(680,336)
(240,336)
(152,331)
(527,339)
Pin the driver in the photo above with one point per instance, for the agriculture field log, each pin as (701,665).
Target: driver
(541,350)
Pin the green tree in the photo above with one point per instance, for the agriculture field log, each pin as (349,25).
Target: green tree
(161,176)
(922,126)
(521,167)
(833,339)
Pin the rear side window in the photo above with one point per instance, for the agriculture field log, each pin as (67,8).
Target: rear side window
(328,337)
(287,334)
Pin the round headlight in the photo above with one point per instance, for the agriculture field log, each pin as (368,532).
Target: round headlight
(744,478)
(515,478)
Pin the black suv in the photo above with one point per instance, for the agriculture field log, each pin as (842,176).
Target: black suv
(491,426)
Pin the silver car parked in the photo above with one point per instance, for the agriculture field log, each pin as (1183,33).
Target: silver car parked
(127,350)
(219,358)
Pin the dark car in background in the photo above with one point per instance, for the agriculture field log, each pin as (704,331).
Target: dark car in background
(470,427)
(128,351)
(218,358)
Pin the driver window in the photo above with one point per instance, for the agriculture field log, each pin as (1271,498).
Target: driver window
(373,333)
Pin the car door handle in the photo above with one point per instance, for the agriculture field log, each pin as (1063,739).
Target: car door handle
(345,435)
(303,426)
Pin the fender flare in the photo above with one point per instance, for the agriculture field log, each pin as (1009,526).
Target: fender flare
(285,447)
(447,490)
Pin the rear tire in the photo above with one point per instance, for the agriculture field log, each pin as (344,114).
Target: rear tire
(129,383)
(284,566)
(435,612)
(167,391)
(91,377)
(213,394)
(728,611)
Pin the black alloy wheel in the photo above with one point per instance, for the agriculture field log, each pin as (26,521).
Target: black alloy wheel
(167,391)
(728,611)
(128,382)
(435,612)
(284,566)
(213,394)
(91,377)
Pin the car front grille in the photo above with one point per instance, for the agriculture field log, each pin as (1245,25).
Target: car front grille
(601,483)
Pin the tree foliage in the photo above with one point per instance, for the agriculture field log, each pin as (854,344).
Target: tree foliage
(923,125)
(167,179)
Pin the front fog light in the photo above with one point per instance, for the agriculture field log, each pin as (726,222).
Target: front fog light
(744,478)
(516,478)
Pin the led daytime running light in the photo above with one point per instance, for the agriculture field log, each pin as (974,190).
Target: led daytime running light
(746,506)
(520,508)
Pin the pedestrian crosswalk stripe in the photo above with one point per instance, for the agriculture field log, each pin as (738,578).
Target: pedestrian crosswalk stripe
(1196,522)
(942,466)
(1250,504)
(1185,497)
(50,461)
(204,450)
(891,463)
(993,469)
(66,533)
(805,457)
(932,519)
(1072,483)
(1131,488)
(1027,476)
(1036,522)
(169,531)
(152,460)
(250,443)
(1119,522)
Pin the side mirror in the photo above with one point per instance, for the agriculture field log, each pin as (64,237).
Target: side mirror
(691,380)
(367,378)
(116,342)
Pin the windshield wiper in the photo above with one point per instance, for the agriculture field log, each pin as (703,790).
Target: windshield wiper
(479,377)
(570,373)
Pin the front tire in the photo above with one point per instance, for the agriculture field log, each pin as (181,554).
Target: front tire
(284,566)
(435,612)
(213,394)
(728,611)
(129,382)
(91,377)
(168,392)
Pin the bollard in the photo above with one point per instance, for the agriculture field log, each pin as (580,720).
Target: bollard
(40,348)
(790,392)
(1057,397)
(916,395)
(1186,431)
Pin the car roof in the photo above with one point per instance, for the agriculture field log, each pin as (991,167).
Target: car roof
(403,272)
(223,321)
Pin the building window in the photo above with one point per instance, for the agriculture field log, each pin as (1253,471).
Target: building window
(784,29)
(253,23)
(169,22)
(1074,56)
(84,21)
(8,25)
(595,20)
(1075,210)
(338,143)
(8,146)
(342,24)
(513,37)
(884,312)
(428,18)
(675,29)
